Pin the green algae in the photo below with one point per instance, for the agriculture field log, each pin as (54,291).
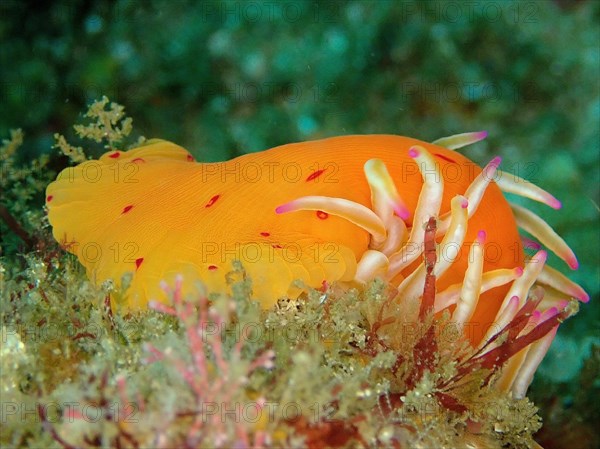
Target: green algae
(97,376)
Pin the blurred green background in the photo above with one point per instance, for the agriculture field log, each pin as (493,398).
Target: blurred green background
(226,78)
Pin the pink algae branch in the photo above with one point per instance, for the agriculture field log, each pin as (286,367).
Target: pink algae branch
(212,379)
(511,338)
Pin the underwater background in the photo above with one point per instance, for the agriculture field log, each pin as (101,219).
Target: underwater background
(227,78)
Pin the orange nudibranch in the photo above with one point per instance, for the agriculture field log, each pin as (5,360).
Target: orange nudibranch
(341,209)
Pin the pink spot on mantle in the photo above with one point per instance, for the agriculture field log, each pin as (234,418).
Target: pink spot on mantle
(138,262)
(446,158)
(212,267)
(49,198)
(127,209)
(114,155)
(322,215)
(315,175)
(212,201)
(277,246)
(265,234)
(138,159)
(190,158)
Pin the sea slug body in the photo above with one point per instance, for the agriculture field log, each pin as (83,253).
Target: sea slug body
(343,209)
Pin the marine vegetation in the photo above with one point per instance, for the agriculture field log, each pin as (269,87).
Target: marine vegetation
(411,333)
